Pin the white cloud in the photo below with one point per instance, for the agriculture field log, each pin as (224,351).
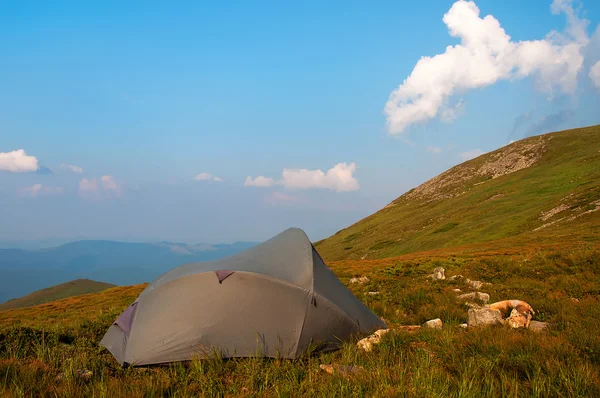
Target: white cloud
(339,178)
(468,155)
(485,55)
(39,189)
(109,183)
(206,177)
(260,182)
(87,187)
(73,168)
(17,162)
(595,74)
(434,149)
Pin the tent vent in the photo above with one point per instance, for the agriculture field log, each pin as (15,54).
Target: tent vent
(222,274)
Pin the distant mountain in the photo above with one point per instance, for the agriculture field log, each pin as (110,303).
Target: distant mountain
(540,189)
(64,290)
(120,263)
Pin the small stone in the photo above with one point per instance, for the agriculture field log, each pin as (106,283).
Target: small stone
(538,327)
(457,290)
(373,293)
(475,296)
(574,299)
(483,317)
(360,281)
(438,274)
(433,324)
(455,277)
(367,343)
(463,325)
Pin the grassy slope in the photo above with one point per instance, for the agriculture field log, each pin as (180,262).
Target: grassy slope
(39,343)
(476,208)
(68,289)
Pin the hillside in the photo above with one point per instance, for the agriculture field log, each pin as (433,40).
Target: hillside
(118,263)
(68,289)
(540,189)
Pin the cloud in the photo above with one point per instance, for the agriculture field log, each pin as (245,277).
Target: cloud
(109,183)
(17,162)
(88,186)
(39,189)
(206,177)
(73,168)
(472,154)
(486,55)
(595,74)
(260,182)
(434,149)
(549,123)
(92,188)
(339,178)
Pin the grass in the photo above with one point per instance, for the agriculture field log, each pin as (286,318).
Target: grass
(68,289)
(478,209)
(41,348)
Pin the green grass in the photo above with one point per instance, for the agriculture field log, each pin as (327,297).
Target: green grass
(38,344)
(472,207)
(68,289)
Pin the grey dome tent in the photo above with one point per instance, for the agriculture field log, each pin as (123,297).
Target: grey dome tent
(275,299)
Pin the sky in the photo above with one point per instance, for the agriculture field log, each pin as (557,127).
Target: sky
(232,121)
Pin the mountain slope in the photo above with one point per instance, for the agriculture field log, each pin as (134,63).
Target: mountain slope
(68,289)
(537,189)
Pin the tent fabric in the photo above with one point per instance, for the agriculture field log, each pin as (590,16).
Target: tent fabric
(276,299)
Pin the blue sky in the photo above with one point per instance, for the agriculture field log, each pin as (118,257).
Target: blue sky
(147,99)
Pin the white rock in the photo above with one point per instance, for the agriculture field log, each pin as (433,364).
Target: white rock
(361,280)
(475,296)
(438,274)
(373,293)
(433,324)
(367,343)
(484,317)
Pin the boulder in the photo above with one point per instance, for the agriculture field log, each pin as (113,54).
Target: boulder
(367,343)
(360,281)
(517,320)
(438,274)
(433,324)
(475,296)
(477,317)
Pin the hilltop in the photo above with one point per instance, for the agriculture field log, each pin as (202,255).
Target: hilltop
(68,289)
(540,189)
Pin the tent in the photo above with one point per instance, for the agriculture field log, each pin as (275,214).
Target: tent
(275,299)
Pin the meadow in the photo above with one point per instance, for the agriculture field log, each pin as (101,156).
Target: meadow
(52,349)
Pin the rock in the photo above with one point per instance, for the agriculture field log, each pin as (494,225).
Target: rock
(474,284)
(475,296)
(341,369)
(574,299)
(409,328)
(484,317)
(457,290)
(538,327)
(517,320)
(367,343)
(360,281)
(433,324)
(438,274)
(455,277)
(373,293)
(463,325)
